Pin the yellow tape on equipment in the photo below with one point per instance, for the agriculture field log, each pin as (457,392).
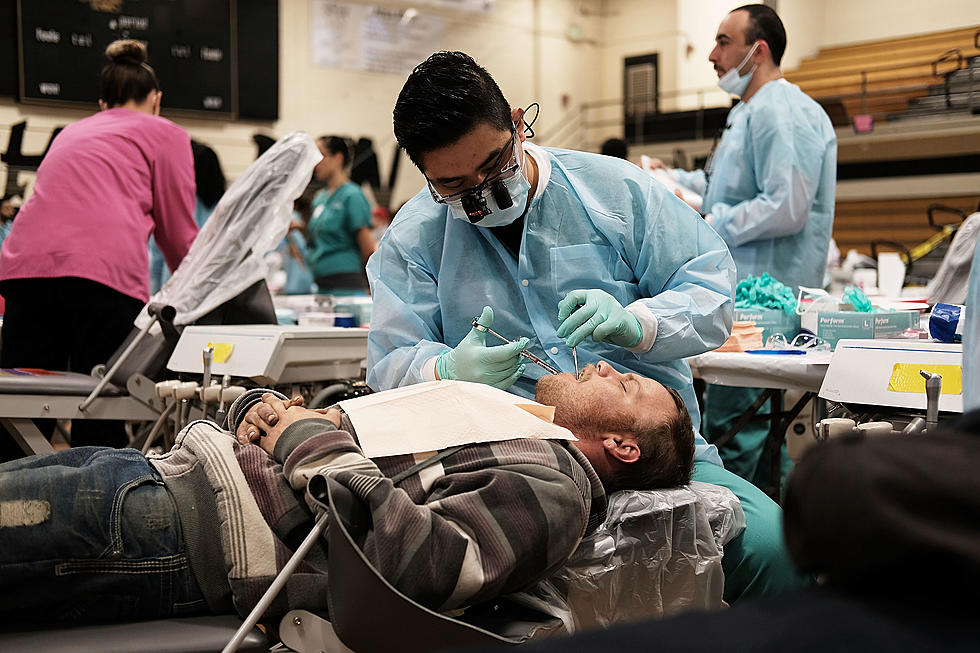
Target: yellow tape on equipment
(906,378)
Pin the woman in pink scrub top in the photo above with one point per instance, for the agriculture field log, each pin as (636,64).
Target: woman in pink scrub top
(74,269)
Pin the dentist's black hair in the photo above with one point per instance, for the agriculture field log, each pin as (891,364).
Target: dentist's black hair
(445,98)
(765,25)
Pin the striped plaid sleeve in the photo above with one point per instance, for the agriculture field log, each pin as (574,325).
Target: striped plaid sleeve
(310,446)
(480,534)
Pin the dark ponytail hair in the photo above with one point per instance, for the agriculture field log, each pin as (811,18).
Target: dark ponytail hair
(127,76)
(339,145)
(208,175)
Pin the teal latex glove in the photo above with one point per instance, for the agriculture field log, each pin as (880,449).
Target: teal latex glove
(596,313)
(856,298)
(472,360)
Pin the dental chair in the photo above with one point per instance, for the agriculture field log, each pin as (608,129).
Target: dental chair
(656,554)
(220,280)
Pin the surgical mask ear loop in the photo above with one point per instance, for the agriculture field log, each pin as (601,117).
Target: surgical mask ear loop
(738,68)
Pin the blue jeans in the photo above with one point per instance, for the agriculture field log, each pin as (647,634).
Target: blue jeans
(91,534)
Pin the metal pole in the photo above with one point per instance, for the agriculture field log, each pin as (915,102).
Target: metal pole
(277,585)
(864,92)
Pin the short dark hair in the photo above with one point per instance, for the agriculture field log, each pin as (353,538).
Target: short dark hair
(338,145)
(445,98)
(765,25)
(127,76)
(614,147)
(666,453)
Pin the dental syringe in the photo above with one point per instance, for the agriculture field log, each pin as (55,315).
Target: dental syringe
(526,354)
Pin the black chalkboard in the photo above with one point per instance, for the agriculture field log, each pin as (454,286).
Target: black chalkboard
(191,46)
(8,48)
(258,59)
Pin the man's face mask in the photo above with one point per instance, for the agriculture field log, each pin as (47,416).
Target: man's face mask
(734,83)
(499,199)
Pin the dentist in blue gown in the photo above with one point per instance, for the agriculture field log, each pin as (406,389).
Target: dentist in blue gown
(568,248)
(768,190)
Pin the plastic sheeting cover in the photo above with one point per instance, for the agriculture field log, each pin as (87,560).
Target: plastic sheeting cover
(950,283)
(658,553)
(251,219)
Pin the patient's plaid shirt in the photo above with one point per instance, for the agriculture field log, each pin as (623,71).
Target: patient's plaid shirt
(487,520)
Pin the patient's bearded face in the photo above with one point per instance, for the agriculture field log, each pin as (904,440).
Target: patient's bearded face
(601,399)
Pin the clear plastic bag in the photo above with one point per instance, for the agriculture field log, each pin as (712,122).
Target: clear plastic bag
(251,219)
(657,553)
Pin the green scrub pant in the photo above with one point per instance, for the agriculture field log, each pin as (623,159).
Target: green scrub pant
(756,563)
(743,454)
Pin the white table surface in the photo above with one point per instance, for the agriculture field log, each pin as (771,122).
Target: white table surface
(762,370)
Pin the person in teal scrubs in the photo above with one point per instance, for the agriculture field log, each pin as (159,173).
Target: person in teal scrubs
(8,209)
(768,191)
(339,233)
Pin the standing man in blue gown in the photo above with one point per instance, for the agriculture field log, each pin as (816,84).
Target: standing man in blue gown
(768,191)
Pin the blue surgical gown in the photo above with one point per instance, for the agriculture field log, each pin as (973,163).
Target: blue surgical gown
(599,222)
(771,186)
(971,339)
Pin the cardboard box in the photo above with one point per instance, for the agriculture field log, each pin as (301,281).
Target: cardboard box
(836,325)
(771,320)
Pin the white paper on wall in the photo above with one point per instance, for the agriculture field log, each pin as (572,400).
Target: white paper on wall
(370,37)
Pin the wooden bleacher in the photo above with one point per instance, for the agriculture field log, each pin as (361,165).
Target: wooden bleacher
(897,70)
(857,223)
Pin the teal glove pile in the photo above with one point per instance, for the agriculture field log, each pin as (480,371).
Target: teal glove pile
(764,292)
(596,313)
(472,360)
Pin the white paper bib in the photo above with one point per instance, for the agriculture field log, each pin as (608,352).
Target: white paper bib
(439,414)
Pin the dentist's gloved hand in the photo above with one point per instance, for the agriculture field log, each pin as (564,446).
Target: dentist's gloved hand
(472,360)
(596,313)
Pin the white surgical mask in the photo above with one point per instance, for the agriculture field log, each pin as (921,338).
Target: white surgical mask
(735,84)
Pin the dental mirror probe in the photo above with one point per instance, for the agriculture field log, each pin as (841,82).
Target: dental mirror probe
(526,354)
